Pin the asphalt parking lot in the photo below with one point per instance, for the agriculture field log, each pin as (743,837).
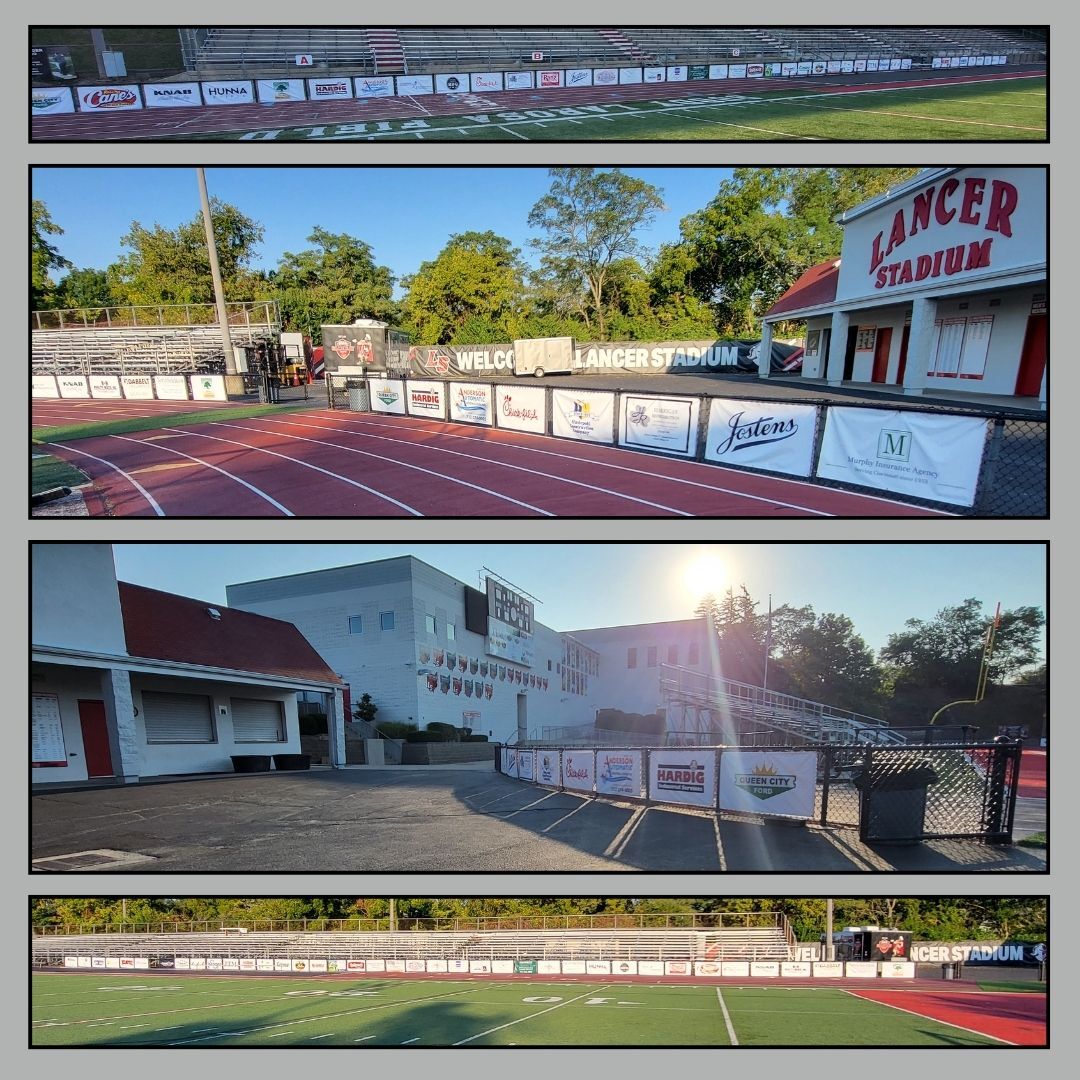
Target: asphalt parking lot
(452,819)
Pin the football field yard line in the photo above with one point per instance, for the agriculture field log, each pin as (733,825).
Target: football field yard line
(727,1018)
(933,1019)
(531,1016)
(741,127)
(916,116)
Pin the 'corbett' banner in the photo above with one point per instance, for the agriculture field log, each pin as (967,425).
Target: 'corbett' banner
(927,455)
(654,423)
(586,415)
(761,435)
(768,782)
(683,776)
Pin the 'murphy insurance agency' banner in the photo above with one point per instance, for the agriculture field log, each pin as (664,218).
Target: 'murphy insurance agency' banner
(761,435)
(928,455)
(766,782)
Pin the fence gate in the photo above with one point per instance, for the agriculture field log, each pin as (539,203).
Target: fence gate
(347,392)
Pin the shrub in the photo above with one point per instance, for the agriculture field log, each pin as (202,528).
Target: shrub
(393,729)
(475,738)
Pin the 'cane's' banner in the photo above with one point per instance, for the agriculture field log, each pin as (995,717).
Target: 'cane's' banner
(928,455)
(683,776)
(109,98)
(761,435)
(768,782)
(584,414)
(522,408)
(426,399)
(659,423)
(578,769)
(618,772)
(48,100)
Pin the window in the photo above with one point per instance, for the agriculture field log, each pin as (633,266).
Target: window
(652,656)
(386,620)
(960,346)
(450,631)
(356,624)
(693,659)
(673,654)
(429,624)
(631,658)
(865,338)
(549,665)
(177,718)
(257,720)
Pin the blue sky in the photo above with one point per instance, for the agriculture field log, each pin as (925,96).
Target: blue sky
(405,214)
(584,585)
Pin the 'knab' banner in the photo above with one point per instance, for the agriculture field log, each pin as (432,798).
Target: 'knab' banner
(618,772)
(761,435)
(171,95)
(927,455)
(768,782)
(683,776)
(73,386)
(583,414)
(387,396)
(659,423)
(522,408)
(578,769)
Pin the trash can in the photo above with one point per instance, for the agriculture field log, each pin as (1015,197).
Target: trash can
(292,761)
(892,799)
(251,763)
(951,971)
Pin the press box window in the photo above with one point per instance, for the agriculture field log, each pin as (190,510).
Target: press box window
(429,624)
(631,658)
(673,655)
(356,624)
(386,620)
(652,656)
(451,631)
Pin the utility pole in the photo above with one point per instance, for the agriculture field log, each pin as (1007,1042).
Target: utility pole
(393,916)
(830,948)
(768,647)
(215,276)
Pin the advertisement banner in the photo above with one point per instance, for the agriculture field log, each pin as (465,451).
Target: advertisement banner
(624,967)
(708,968)
(108,98)
(376,965)
(172,95)
(796,969)
(264,963)
(521,408)
(329,89)
(485,80)
(273,91)
(584,414)
(677,357)
(519,80)
(446,360)
(280,964)
(525,762)
(931,456)
(805,68)
(299,965)
(597,967)
(833,67)
(659,423)
(97,961)
(872,65)
(629,76)
(761,435)
(897,969)
(547,768)
(818,67)
(438,967)
(387,396)
(736,71)
(229,92)
(50,100)
(396,967)
(578,769)
(105,386)
(457,966)
(755,71)
(650,967)
(415,85)
(43,386)
(470,403)
(546,80)
(506,967)
(85,961)
(573,967)
(456,83)
(548,967)
(336,967)
(847,66)
(683,776)
(676,74)
(618,772)
(578,77)
(605,76)
(208,388)
(768,782)
(183,963)
(113,963)
(698,72)
(718,71)
(860,969)
(764,969)
(137,387)
(171,387)
(479,967)
(739,968)
(373,86)
(73,386)
(231,963)
(678,967)
(654,74)
(509,761)
(828,969)
(356,965)
(426,399)
(415,966)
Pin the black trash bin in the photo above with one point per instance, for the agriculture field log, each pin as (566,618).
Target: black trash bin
(892,798)
(292,761)
(251,763)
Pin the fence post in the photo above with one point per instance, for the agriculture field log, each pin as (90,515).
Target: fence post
(992,453)
(825,782)
(864,819)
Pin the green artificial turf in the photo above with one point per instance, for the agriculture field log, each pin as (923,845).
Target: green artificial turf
(47,472)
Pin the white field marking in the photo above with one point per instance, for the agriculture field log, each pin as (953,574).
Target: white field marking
(328,1035)
(531,1016)
(788,481)
(364,1039)
(511,131)
(297,461)
(206,464)
(162,1012)
(127,476)
(367,453)
(581,806)
(741,127)
(407,1042)
(278,1035)
(622,837)
(457,453)
(916,116)
(727,1019)
(529,806)
(923,1016)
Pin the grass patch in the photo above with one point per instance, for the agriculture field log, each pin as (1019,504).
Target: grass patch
(1036,840)
(47,472)
(1011,987)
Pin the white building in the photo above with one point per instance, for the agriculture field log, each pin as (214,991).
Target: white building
(941,287)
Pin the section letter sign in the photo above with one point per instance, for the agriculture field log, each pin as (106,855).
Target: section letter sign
(618,772)
(510,624)
(930,456)
(761,435)
(659,423)
(582,414)
(683,776)
(765,782)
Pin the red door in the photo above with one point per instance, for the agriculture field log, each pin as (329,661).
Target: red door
(95,738)
(881,354)
(905,337)
(1033,357)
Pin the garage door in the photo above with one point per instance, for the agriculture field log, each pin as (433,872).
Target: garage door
(178,718)
(257,720)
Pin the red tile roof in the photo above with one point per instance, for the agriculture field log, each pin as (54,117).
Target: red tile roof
(162,626)
(817,286)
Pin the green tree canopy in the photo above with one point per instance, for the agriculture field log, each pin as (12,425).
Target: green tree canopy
(84,288)
(43,255)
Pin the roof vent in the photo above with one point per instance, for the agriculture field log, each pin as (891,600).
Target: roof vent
(214,613)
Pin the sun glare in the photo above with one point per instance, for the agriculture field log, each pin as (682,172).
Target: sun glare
(706,572)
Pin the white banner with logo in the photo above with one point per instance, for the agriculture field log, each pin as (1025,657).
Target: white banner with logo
(740,969)
(437,966)
(833,67)
(583,414)
(172,95)
(578,77)
(897,969)
(105,386)
(522,408)
(171,387)
(650,967)
(547,767)
(519,80)
(109,98)
(43,386)
(485,80)
(49,100)
(509,761)
(329,89)
(708,968)
(548,967)
(455,83)
(683,776)
(415,965)
(387,396)
(796,969)
(678,967)
(526,760)
(318,966)
(618,772)
(677,74)
(273,91)
(138,386)
(573,967)
(659,423)
(605,76)
(718,71)
(629,76)
(764,969)
(502,967)
(470,403)
(578,769)
(624,967)
(396,967)
(931,456)
(262,963)
(736,71)
(228,92)
(426,399)
(654,74)
(597,967)
(861,969)
(415,85)
(546,80)
(768,782)
(73,386)
(208,388)
(373,86)
(761,435)
(828,969)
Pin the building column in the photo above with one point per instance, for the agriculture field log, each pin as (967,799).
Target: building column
(1042,387)
(335,727)
(120,723)
(764,359)
(838,332)
(920,341)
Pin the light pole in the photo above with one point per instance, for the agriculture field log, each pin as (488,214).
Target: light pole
(215,276)
(830,948)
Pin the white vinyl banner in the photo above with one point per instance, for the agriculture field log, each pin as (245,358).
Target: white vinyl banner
(137,386)
(509,761)
(768,782)
(578,77)
(522,408)
(659,423)
(764,969)
(416,965)
(796,969)
(470,403)
(229,92)
(828,969)
(415,85)
(109,98)
(683,776)
(519,80)
(677,74)
(678,967)
(457,83)
(927,455)
(578,769)
(618,772)
(548,967)
(49,100)
(546,80)
(282,964)
(629,76)
(232,963)
(708,968)
(43,386)
(624,967)
(526,760)
(718,71)
(597,967)
(654,74)
(395,967)
(583,414)
(736,71)
(761,435)
(73,386)
(208,388)
(605,76)
(329,89)
(105,386)
(547,768)
(426,399)
(739,968)
(573,967)
(387,396)
(274,91)
(485,81)
(262,963)
(861,969)
(376,965)
(437,966)
(372,86)
(171,387)
(650,967)
(502,967)
(171,95)
(897,969)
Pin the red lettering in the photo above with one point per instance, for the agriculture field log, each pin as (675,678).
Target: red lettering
(978,254)
(942,214)
(898,234)
(973,196)
(880,282)
(905,272)
(954,259)
(876,257)
(1003,201)
(922,267)
(920,211)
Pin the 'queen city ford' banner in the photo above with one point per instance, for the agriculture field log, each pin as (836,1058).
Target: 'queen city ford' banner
(768,782)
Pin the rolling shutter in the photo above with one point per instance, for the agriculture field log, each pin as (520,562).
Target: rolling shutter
(257,720)
(177,718)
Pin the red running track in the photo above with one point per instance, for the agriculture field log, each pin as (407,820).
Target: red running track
(1017,1019)
(1032,774)
(332,464)
(55,412)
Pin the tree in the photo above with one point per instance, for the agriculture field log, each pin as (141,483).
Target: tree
(470,293)
(365,709)
(590,219)
(43,256)
(740,634)
(85,288)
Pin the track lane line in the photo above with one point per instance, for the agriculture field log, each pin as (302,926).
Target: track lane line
(155,505)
